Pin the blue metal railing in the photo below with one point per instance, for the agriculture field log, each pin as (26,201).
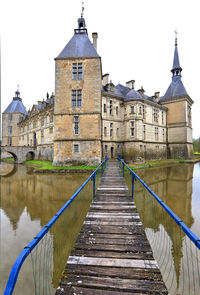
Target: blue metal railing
(27,250)
(180,223)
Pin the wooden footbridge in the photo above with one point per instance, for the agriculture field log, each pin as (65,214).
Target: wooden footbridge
(112,254)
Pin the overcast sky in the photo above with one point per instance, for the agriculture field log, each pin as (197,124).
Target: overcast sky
(136,41)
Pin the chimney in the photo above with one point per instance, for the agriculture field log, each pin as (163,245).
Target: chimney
(105,79)
(141,91)
(130,84)
(157,95)
(95,37)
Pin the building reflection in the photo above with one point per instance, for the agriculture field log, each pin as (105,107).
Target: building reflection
(174,186)
(41,196)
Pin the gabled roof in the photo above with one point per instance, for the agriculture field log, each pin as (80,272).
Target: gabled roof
(16,106)
(79,46)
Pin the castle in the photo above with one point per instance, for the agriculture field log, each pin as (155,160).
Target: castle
(89,117)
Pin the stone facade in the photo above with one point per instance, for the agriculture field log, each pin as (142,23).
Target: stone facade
(37,129)
(10,129)
(81,140)
(90,118)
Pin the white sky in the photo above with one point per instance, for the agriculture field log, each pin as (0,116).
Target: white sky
(136,41)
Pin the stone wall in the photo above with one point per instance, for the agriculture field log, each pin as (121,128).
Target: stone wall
(44,152)
(139,151)
(180,151)
(14,135)
(89,152)
(88,138)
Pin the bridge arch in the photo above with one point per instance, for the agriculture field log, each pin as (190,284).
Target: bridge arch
(14,156)
(10,172)
(30,156)
(20,153)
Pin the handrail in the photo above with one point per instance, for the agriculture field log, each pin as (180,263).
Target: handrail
(27,250)
(180,223)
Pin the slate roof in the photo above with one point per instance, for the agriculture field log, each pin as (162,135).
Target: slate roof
(133,94)
(123,89)
(176,63)
(79,46)
(127,94)
(16,106)
(45,103)
(176,88)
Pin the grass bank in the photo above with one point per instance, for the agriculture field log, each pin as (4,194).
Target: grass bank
(47,165)
(8,160)
(162,163)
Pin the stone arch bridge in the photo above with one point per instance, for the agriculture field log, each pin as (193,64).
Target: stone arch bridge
(19,153)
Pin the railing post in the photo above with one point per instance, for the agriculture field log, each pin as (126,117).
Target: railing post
(94,185)
(133,179)
(102,169)
(123,169)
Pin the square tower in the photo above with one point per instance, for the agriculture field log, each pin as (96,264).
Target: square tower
(77,112)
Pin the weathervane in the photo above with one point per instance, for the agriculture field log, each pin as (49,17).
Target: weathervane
(82,9)
(176,34)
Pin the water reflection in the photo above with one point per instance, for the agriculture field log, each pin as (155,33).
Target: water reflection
(28,202)
(176,187)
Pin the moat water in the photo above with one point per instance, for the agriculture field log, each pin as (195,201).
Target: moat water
(29,201)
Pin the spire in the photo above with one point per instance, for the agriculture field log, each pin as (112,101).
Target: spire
(176,87)
(81,23)
(176,68)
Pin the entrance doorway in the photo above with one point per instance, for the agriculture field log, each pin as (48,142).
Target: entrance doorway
(34,139)
(112,152)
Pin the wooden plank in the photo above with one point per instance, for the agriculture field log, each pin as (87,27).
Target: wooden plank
(112,236)
(98,241)
(97,228)
(115,214)
(127,273)
(123,248)
(152,287)
(111,207)
(133,263)
(110,223)
(112,189)
(113,203)
(113,254)
(76,290)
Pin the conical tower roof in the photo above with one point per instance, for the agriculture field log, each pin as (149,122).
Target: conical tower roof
(176,63)
(176,87)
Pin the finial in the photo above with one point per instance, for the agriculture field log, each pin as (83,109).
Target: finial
(17,93)
(82,9)
(176,35)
